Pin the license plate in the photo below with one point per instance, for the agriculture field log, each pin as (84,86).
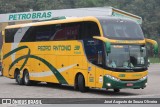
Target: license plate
(129,84)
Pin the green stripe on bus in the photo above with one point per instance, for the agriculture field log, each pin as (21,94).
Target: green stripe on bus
(13,51)
(59,77)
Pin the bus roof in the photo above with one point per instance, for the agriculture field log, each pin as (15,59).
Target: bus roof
(71,19)
(67,20)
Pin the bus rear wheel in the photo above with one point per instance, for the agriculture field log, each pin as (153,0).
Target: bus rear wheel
(116,90)
(81,83)
(18,78)
(26,78)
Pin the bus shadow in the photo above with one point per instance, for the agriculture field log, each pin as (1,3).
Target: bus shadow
(111,93)
(102,92)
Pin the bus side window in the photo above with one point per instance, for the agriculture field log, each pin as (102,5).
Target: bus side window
(9,35)
(94,51)
(59,33)
(68,31)
(89,29)
(29,36)
(43,33)
(72,31)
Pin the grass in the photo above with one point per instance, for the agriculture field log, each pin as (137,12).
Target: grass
(154,60)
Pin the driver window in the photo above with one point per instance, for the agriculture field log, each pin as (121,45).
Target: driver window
(94,51)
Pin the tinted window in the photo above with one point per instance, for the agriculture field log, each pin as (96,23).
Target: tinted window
(58,32)
(94,51)
(121,29)
(70,31)
(43,33)
(38,33)
(89,30)
(9,35)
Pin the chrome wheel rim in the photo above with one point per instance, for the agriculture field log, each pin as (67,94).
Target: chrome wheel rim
(26,78)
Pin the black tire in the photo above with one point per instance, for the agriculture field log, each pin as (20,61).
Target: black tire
(81,83)
(18,79)
(76,84)
(15,76)
(26,78)
(116,90)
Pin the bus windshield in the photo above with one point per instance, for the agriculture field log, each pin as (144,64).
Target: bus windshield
(121,29)
(127,57)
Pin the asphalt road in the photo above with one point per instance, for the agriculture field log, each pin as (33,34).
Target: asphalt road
(10,89)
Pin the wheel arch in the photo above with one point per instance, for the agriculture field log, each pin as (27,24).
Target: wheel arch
(15,72)
(76,78)
(18,70)
(25,70)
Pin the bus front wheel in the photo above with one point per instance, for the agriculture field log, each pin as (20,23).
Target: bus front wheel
(81,83)
(116,90)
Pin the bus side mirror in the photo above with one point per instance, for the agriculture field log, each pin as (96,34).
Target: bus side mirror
(155,49)
(107,43)
(155,45)
(108,47)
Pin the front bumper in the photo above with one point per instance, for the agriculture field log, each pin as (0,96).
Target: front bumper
(114,84)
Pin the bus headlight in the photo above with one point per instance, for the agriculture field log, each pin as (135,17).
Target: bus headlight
(113,78)
(108,84)
(146,84)
(143,78)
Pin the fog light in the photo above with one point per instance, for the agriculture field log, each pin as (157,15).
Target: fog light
(108,84)
(146,84)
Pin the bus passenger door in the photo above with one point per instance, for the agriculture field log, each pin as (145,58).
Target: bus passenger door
(95,55)
(91,75)
(91,59)
(99,77)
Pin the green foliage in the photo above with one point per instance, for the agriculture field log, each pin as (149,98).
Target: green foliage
(154,60)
